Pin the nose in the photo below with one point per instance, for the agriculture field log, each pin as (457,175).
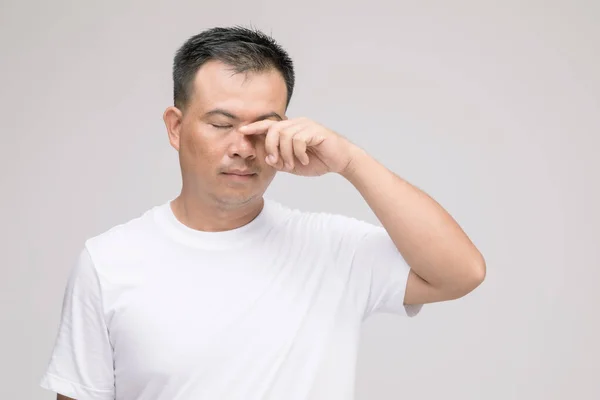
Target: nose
(241,145)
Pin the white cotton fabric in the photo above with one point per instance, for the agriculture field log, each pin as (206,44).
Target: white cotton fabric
(154,310)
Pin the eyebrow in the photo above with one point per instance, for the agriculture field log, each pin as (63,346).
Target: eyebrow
(220,111)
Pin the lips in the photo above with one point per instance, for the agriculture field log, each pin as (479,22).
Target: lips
(240,173)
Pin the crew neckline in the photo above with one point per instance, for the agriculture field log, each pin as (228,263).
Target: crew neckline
(236,237)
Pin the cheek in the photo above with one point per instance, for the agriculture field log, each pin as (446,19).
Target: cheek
(202,151)
(259,145)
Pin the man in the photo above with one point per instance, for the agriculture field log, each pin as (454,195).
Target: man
(223,294)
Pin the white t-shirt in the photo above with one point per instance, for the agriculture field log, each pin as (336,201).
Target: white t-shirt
(154,310)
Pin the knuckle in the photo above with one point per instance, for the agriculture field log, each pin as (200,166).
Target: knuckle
(286,133)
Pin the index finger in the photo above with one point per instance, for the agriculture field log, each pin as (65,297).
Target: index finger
(258,127)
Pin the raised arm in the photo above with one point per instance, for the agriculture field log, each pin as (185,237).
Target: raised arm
(445,265)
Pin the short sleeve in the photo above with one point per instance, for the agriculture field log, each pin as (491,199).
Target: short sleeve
(81,363)
(381,271)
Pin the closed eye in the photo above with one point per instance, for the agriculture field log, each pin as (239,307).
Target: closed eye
(221,126)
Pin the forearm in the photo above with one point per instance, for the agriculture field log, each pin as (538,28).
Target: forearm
(428,238)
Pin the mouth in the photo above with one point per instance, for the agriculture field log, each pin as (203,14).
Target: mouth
(240,173)
(241,176)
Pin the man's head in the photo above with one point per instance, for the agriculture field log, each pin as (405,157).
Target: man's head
(225,78)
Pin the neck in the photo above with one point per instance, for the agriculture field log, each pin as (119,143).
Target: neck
(203,215)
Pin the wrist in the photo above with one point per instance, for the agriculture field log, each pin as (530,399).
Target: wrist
(357,156)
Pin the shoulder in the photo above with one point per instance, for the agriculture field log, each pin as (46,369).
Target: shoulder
(123,238)
(322,224)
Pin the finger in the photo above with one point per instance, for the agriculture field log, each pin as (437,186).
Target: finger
(287,143)
(272,140)
(259,127)
(272,147)
(300,145)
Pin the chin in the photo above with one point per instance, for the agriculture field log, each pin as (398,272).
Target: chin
(237,199)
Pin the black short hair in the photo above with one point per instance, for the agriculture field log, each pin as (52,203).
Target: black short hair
(244,49)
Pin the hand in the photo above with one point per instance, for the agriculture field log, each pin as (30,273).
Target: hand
(302,147)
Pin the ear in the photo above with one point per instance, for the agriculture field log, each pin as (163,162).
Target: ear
(173,118)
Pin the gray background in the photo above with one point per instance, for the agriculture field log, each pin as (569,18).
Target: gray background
(490,107)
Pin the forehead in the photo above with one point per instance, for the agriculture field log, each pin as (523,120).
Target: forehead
(249,94)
